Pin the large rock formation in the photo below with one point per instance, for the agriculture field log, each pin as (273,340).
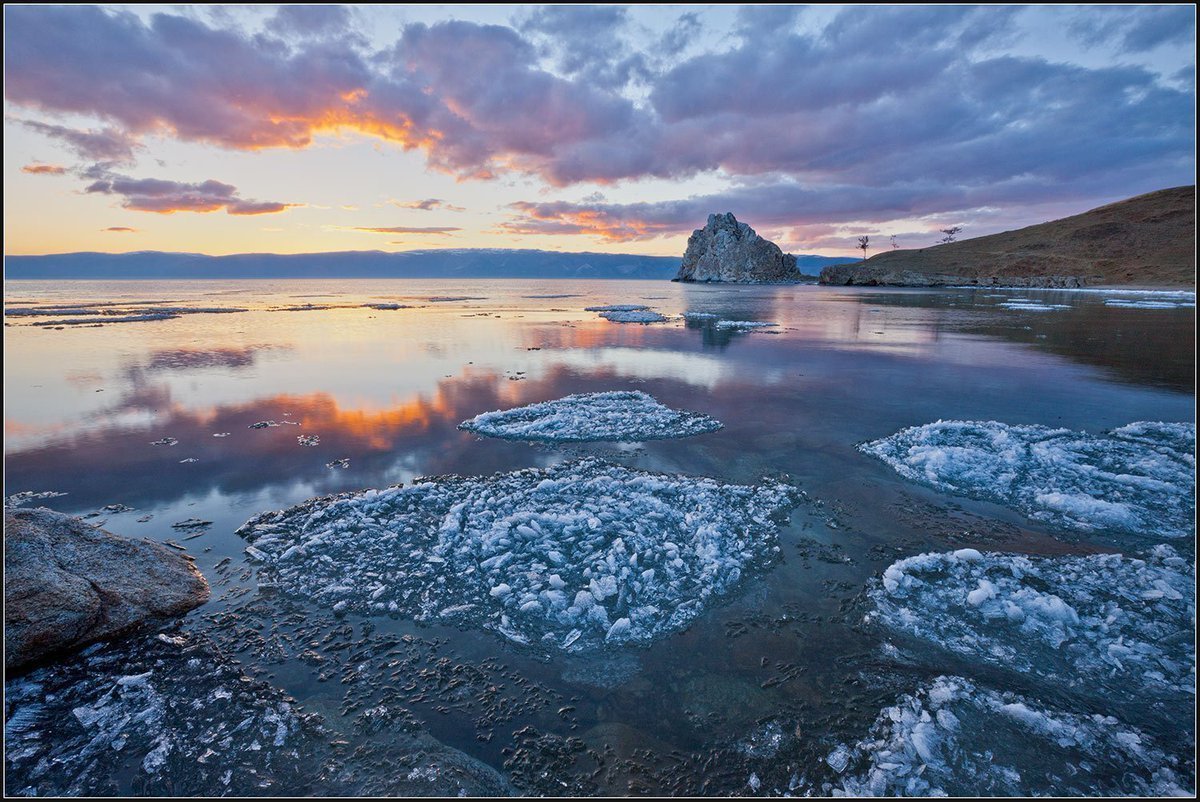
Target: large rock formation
(726,250)
(1147,240)
(67,584)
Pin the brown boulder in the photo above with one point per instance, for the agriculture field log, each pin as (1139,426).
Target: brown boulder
(68,584)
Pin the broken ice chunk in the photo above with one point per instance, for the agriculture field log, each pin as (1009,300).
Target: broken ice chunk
(540,556)
(1137,480)
(611,416)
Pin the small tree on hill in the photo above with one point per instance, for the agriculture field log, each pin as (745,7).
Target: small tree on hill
(950,233)
(894,243)
(863,243)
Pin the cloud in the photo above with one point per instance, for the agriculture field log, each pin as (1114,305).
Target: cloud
(121,229)
(858,112)
(1135,29)
(587,44)
(44,169)
(104,145)
(438,230)
(167,197)
(427,205)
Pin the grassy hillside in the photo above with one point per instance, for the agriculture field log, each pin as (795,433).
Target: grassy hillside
(1146,240)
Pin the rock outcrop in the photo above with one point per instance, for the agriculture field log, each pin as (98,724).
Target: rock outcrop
(68,584)
(1148,240)
(729,251)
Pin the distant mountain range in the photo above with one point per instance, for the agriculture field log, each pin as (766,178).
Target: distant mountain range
(450,263)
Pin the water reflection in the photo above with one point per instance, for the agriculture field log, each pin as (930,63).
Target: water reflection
(386,389)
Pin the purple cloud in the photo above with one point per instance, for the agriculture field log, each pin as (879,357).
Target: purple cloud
(883,110)
(166,197)
(108,145)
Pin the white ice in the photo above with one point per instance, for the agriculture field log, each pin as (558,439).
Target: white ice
(1139,479)
(575,557)
(953,737)
(1118,627)
(612,416)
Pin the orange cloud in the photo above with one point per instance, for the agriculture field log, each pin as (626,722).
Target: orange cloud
(43,169)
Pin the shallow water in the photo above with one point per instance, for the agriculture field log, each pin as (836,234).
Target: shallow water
(386,388)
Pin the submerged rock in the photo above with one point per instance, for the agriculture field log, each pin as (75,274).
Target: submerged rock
(580,556)
(67,584)
(726,250)
(955,738)
(615,416)
(1138,480)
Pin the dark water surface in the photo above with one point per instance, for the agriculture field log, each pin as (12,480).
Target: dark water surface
(783,661)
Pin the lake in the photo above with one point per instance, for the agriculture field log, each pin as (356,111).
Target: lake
(753,694)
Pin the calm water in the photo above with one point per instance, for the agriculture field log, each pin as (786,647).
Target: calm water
(386,389)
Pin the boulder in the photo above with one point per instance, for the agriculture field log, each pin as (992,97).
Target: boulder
(68,584)
(726,250)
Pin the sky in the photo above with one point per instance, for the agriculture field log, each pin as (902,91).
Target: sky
(295,129)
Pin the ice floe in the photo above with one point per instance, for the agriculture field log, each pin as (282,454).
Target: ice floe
(953,737)
(309,440)
(612,416)
(647,316)
(627,313)
(1119,627)
(26,496)
(1138,479)
(1125,303)
(574,557)
(616,308)
(742,325)
(1031,306)
(165,441)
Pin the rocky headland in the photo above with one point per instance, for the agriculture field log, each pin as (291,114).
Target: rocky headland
(728,251)
(68,584)
(1148,240)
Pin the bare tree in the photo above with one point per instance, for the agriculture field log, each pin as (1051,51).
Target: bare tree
(863,244)
(894,243)
(950,233)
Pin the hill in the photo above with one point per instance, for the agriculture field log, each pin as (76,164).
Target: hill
(451,263)
(1145,240)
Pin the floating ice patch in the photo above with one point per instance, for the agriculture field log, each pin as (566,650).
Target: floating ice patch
(264,424)
(1032,306)
(1106,624)
(166,441)
(309,440)
(742,325)
(187,460)
(339,463)
(573,557)
(615,416)
(616,308)
(1124,303)
(1139,479)
(634,317)
(700,316)
(26,496)
(955,738)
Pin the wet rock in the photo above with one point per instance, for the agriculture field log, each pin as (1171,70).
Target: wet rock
(68,584)
(726,250)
